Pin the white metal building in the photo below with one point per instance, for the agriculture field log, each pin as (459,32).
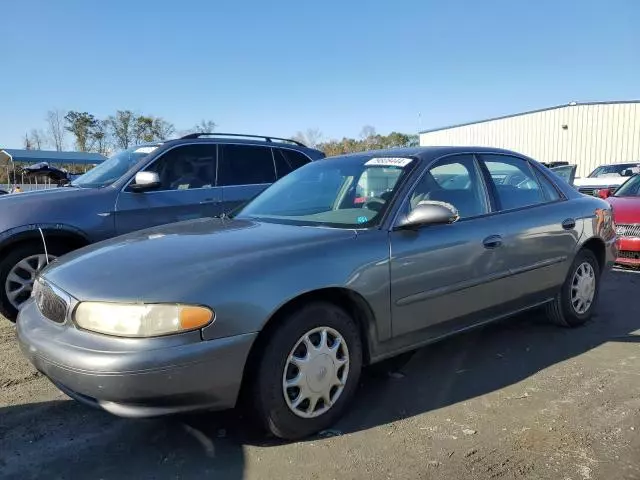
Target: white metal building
(585,134)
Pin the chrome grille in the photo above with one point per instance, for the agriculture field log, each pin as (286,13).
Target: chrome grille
(628,229)
(593,190)
(587,190)
(50,304)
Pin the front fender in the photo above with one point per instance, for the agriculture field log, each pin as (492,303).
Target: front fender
(26,232)
(253,294)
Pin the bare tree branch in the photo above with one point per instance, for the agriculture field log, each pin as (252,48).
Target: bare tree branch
(55,128)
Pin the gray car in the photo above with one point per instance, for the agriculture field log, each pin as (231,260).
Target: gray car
(340,264)
(198,175)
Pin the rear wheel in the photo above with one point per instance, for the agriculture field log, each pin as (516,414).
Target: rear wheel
(18,270)
(575,302)
(308,372)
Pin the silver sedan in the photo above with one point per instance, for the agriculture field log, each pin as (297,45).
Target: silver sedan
(343,263)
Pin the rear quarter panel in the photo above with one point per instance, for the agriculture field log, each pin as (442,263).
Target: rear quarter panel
(597,218)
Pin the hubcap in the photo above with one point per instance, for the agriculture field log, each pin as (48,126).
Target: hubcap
(583,288)
(315,372)
(20,279)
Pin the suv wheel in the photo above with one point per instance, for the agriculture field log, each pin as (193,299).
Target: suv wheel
(574,305)
(309,371)
(18,270)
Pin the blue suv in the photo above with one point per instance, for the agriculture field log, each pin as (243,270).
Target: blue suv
(198,175)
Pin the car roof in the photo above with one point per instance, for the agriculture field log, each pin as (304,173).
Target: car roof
(242,141)
(426,153)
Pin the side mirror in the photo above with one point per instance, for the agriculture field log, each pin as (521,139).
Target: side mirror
(429,213)
(604,193)
(145,181)
(627,172)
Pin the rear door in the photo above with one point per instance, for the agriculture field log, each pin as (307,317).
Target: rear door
(287,161)
(244,171)
(537,227)
(188,190)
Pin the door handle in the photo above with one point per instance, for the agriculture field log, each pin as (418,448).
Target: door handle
(569,224)
(207,201)
(492,241)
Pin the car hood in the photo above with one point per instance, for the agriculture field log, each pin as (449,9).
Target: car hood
(625,209)
(599,181)
(162,263)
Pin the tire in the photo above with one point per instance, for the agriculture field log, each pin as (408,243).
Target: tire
(14,256)
(268,392)
(561,310)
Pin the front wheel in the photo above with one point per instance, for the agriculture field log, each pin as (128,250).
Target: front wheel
(309,371)
(575,303)
(18,269)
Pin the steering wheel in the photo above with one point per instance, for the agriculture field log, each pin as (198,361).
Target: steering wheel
(374,203)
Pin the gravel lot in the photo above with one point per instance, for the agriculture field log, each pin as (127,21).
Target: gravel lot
(521,399)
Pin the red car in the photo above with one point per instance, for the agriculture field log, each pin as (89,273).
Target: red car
(626,215)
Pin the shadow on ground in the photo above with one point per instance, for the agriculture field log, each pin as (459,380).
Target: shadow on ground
(65,440)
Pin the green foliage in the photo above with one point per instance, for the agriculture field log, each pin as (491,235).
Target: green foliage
(370,141)
(82,126)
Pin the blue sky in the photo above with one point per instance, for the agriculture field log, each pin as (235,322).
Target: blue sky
(283,66)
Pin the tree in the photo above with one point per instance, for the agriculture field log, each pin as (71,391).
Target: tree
(163,129)
(55,128)
(205,126)
(369,140)
(100,137)
(35,140)
(82,125)
(27,142)
(143,129)
(311,138)
(122,127)
(151,129)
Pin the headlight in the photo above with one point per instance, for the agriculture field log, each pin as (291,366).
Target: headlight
(139,320)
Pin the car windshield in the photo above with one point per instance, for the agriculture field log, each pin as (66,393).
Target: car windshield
(107,172)
(349,192)
(612,170)
(630,188)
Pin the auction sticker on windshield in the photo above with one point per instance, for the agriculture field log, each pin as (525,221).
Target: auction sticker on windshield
(389,161)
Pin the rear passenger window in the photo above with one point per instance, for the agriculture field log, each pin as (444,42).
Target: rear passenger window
(550,191)
(245,165)
(288,160)
(515,183)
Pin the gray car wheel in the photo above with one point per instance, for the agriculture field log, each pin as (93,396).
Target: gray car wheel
(574,304)
(308,372)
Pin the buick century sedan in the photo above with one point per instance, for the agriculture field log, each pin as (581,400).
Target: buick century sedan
(341,264)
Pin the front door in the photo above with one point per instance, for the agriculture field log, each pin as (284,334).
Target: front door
(244,171)
(188,190)
(444,277)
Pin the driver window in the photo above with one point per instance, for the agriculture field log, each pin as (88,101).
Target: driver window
(186,167)
(454,180)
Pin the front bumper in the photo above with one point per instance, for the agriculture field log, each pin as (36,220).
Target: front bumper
(135,377)
(628,251)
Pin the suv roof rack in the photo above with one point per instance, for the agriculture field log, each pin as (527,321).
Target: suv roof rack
(263,137)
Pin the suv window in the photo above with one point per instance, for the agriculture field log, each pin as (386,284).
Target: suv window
(245,165)
(186,167)
(515,183)
(454,180)
(288,160)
